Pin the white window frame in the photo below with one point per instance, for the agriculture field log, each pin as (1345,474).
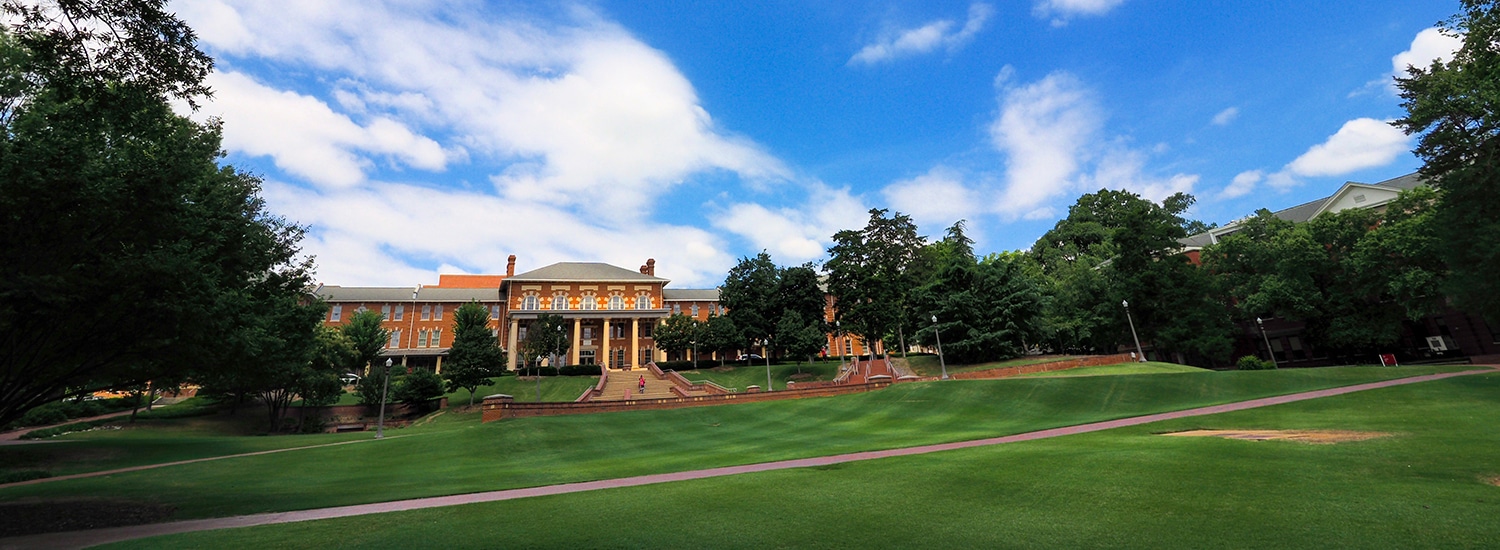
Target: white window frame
(336,313)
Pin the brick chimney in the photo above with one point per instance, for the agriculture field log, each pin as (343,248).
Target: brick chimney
(510,266)
(650,268)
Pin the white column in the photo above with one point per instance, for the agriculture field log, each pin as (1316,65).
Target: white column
(577,331)
(603,353)
(510,349)
(635,340)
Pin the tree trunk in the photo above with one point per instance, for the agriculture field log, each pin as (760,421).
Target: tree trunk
(901,333)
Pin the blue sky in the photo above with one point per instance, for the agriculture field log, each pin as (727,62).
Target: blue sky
(422,137)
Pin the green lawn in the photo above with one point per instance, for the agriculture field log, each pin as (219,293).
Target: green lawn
(1424,487)
(456,454)
(554,388)
(927,365)
(1149,367)
(737,376)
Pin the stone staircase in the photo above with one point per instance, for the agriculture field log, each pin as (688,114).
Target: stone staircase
(620,382)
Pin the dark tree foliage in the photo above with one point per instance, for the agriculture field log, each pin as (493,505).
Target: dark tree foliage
(1352,276)
(130,254)
(1115,246)
(678,333)
(368,337)
(720,335)
(547,336)
(418,387)
(798,337)
(749,294)
(798,290)
(986,311)
(476,355)
(1455,107)
(870,276)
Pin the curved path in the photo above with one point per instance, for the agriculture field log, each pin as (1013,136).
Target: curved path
(81,539)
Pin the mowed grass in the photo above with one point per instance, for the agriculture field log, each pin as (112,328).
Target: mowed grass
(1427,486)
(457,454)
(738,376)
(554,388)
(1149,367)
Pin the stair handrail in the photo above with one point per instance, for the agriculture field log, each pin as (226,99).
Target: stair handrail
(598,389)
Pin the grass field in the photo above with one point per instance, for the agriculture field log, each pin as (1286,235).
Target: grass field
(456,454)
(1426,486)
(1149,367)
(554,388)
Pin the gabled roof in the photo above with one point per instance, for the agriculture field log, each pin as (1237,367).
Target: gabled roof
(691,294)
(583,272)
(1312,209)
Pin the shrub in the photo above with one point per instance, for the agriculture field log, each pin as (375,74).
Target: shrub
(545,371)
(22,475)
(685,365)
(578,370)
(419,387)
(1251,362)
(68,428)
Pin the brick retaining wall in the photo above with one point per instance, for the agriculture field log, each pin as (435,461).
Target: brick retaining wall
(1064,364)
(502,406)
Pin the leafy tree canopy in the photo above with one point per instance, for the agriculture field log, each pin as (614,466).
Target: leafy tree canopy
(476,355)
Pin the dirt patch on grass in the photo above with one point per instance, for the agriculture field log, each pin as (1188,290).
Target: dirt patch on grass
(1493,480)
(51,516)
(1323,437)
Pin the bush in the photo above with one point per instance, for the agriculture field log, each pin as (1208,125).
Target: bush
(685,365)
(22,475)
(419,387)
(578,370)
(179,411)
(545,371)
(1251,362)
(69,428)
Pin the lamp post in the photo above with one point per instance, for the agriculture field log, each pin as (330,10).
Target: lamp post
(1262,324)
(1141,355)
(767,350)
(385,384)
(939,335)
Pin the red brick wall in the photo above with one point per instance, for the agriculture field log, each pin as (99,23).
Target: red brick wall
(1061,364)
(498,408)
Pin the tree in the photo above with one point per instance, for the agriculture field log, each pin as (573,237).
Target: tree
(368,337)
(798,337)
(110,202)
(869,276)
(547,336)
(749,293)
(476,354)
(374,386)
(721,336)
(678,333)
(798,290)
(418,387)
(1455,107)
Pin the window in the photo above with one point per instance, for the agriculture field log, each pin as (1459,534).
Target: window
(422,338)
(643,301)
(361,309)
(338,311)
(586,357)
(617,331)
(588,333)
(645,356)
(400,311)
(695,311)
(385,312)
(495,312)
(560,301)
(848,347)
(495,332)
(437,338)
(646,330)
(616,302)
(529,302)
(426,312)
(521,333)
(437,313)
(395,339)
(590,302)
(676,309)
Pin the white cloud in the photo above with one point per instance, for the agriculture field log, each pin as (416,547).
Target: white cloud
(1061,10)
(1124,168)
(1043,129)
(351,241)
(1242,184)
(926,38)
(1226,116)
(937,198)
(1430,44)
(307,138)
(579,127)
(1361,143)
(796,235)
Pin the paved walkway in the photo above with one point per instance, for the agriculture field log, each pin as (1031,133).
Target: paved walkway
(81,539)
(15,435)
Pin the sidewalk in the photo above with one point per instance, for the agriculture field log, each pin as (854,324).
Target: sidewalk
(14,437)
(81,539)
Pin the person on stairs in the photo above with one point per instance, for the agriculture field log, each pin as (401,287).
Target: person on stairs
(642,384)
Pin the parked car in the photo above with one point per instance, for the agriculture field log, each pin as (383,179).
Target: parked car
(744,357)
(349,378)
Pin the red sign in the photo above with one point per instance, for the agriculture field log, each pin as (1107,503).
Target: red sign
(1388,360)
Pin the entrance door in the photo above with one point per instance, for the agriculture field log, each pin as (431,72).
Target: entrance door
(585,357)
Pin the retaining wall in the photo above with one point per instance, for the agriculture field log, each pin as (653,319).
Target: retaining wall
(503,406)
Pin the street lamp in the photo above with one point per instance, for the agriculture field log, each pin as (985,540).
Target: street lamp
(385,384)
(1269,351)
(1140,354)
(939,336)
(766,349)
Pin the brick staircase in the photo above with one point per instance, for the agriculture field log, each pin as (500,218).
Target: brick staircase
(620,382)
